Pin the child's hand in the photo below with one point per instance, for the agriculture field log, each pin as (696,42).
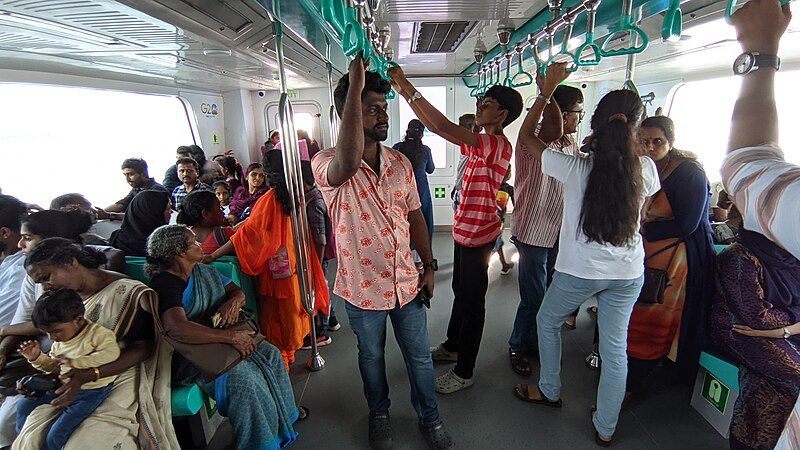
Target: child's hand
(30,350)
(64,361)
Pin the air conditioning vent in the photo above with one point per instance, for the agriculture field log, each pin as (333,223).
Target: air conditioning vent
(440,37)
(222,13)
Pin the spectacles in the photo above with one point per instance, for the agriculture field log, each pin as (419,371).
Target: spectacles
(581,114)
(375,110)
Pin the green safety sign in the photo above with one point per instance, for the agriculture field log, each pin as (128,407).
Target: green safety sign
(715,392)
(439,192)
(210,406)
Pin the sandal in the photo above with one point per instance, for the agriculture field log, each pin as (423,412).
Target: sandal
(522,392)
(571,322)
(520,362)
(304,413)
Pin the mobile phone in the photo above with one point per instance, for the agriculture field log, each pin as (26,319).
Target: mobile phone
(38,383)
(424,297)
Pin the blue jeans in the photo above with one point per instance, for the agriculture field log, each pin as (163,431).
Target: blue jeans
(60,431)
(615,300)
(534,269)
(411,332)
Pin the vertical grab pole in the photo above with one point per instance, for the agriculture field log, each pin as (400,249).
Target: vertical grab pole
(291,167)
(333,118)
(627,8)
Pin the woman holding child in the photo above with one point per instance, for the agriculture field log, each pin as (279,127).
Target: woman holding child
(136,413)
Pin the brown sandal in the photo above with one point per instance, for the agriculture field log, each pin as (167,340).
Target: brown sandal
(520,362)
(525,396)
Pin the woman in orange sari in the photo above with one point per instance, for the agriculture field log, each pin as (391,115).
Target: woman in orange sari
(264,244)
(677,240)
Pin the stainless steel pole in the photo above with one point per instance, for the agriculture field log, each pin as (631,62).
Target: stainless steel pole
(294,184)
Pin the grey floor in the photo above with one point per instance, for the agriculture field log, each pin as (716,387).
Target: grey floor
(486,415)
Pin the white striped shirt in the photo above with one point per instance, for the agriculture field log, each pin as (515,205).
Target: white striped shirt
(765,189)
(539,198)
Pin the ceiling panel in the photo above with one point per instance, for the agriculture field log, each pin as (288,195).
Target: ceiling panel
(449,10)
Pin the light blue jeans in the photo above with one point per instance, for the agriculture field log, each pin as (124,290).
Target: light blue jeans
(615,300)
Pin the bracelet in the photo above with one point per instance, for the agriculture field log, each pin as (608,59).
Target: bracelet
(96,373)
(546,99)
(415,96)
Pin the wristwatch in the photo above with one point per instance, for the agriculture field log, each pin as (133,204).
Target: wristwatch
(433,265)
(415,96)
(750,62)
(786,333)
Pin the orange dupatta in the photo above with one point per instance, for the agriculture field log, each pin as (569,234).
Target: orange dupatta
(282,317)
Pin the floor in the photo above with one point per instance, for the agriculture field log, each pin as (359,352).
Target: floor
(486,415)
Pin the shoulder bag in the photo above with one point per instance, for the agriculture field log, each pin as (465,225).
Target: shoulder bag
(655,280)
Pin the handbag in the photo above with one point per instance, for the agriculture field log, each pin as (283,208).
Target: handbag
(279,264)
(212,360)
(655,281)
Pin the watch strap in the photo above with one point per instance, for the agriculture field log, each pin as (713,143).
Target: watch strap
(763,60)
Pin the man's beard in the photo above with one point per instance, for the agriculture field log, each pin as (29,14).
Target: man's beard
(375,134)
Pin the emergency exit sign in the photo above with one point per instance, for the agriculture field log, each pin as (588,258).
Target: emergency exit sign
(439,192)
(715,392)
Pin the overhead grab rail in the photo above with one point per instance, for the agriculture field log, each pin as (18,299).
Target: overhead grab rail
(672,27)
(577,58)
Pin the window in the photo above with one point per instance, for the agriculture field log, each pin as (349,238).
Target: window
(437,96)
(57,140)
(702,112)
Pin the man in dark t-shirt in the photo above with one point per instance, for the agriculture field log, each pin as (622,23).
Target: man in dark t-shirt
(137,176)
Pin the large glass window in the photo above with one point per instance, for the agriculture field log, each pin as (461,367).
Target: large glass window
(57,140)
(437,96)
(702,111)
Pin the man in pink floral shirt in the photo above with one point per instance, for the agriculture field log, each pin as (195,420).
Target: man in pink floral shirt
(375,209)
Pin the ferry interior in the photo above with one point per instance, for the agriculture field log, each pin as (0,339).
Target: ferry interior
(85,84)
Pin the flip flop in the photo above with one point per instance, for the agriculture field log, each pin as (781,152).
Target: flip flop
(520,363)
(525,396)
(304,413)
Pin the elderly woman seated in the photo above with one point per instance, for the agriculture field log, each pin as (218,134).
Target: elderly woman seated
(189,292)
(756,321)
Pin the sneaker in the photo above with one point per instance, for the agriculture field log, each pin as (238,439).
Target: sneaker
(380,431)
(436,436)
(439,353)
(449,382)
(322,341)
(506,269)
(333,324)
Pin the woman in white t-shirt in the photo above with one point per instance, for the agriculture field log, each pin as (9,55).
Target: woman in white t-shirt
(600,249)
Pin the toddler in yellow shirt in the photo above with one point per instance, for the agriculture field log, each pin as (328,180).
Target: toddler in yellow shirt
(77,344)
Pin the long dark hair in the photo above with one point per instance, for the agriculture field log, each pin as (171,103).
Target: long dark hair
(411,146)
(66,224)
(273,166)
(191,210)
(610,212)
(231,166)
(58,251)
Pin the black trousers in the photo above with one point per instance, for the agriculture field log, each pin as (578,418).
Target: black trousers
(470,281)
(638,371)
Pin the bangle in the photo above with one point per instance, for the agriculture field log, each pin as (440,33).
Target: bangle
(546,99)
(96,373)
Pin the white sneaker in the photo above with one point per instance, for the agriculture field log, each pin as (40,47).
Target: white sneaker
(449,382)
(439,353)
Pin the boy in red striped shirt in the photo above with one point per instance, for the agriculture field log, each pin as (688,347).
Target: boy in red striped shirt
(476,223)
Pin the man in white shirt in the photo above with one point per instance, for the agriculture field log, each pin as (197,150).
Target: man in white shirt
(763,185)
(12,274)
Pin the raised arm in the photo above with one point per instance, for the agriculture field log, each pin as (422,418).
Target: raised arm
(556,73)
(431,117)
(350,144)
(759,27)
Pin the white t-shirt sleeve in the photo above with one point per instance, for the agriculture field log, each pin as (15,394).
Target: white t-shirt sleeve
(650,176)
(27,298)
(556,164)
(765,189)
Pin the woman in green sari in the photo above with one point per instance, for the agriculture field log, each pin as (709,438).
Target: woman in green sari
(188,293)
(136,415)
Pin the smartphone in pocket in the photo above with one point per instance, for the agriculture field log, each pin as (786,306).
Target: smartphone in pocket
(424,297)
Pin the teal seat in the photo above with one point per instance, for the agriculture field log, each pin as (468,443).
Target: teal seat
(187,401)
(724,370)
(719,248)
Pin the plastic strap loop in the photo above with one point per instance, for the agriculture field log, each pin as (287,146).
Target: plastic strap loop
(625,24)
(672,27)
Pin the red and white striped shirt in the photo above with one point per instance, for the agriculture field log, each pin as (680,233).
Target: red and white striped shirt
(476,222)
(539,198)
(765,188)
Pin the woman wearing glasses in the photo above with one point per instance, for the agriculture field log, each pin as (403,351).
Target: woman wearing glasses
(677,240)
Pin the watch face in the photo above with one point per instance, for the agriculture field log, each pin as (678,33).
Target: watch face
(743,63)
